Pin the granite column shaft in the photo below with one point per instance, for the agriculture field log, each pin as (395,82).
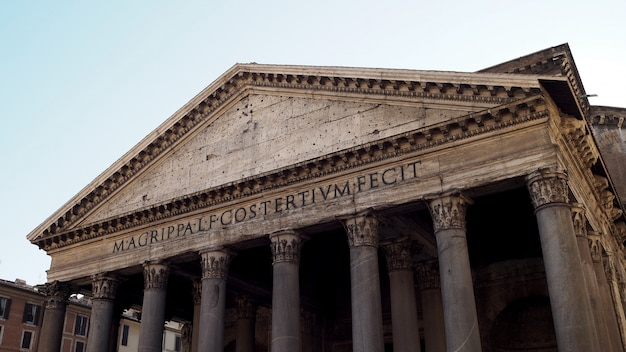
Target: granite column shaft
(457,290)
(569,299)
(286,335)
(153,308)
(367,324)
(213,307)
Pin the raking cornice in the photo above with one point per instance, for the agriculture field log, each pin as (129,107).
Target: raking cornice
(430,137)
(390,85)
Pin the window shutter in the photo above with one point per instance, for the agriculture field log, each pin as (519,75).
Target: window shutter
(7,309)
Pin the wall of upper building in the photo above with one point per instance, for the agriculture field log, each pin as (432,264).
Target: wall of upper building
(609,129)
(21,316)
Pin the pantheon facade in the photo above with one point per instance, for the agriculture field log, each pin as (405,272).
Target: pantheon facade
(300,208)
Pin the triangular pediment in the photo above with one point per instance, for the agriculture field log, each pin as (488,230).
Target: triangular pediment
(259,120)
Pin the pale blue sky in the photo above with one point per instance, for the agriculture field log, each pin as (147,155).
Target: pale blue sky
(82,82)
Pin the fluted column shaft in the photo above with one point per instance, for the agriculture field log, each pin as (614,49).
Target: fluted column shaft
(246,320)
(155,276)
(457,290)
(428,281)
(213,307)
(405,327)
(104,289)
(367,317)
(286,335)
(571,307)
(57,294)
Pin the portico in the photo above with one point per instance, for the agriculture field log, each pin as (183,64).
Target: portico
(317,209)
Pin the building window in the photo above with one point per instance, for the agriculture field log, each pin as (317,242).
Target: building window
(5,304)
(80,328)
(27,337)
(31,314)
(80,346)
(178,344)
(125,330)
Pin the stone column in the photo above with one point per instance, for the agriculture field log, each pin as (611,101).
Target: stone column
(580,229)
(367,316)
(404,321)
(155,275)
(571,308)
(427,274)
(57,294)
(608,309)
(246,321)
(185,337)
(213,307)
(104,289)
(457,290)
(286,292)
(197,301)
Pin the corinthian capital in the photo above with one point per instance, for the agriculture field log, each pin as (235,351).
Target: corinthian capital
(104,286)
(547,187)
(427,275)
(215,263)
(448,212)
(155,275)
(579,220)
(399,254)
(57,294)
(286,247)
(362,231)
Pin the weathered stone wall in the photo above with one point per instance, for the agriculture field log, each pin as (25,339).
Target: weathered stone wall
(262,133)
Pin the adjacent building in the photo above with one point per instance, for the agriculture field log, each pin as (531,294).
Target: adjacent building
(303,208)
(21,316)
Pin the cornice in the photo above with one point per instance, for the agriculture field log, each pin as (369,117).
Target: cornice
(605,116)
(430,137)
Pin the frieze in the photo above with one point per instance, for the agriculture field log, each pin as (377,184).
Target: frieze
(409,142)
(276,205)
